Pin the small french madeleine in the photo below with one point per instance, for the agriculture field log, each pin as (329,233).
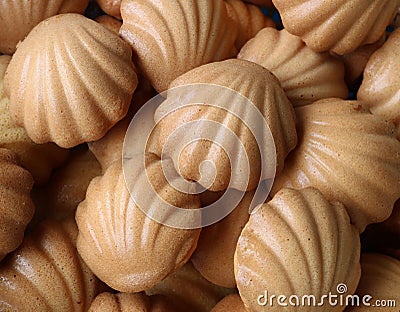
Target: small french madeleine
(17,208)
(46,273)
(381,82)
(355,62)
(18,18)
(67,186)
(213,257)
(231,303)
(305,75)
(250,20)
(380,278)
(122,245)
(340,26)
(38,159)
(297,244)
(259,87)
(188,290)
(70,81)
(350,155)
(170,37)
(130,302)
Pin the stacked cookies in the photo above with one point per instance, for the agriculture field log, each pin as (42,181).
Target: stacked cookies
(187,155)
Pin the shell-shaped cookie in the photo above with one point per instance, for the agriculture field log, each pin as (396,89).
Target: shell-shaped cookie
(16,209)
(170,37)
(305,75)
(67,186)
(380,279)
(213,257)
(130,302)
(251,81)
(355,62)
(340,26)
(111,7)
(18,18)
(380,88)
(124,247)
(109,148)
(46,273)
(350,155)
(38,159)
(70,81)
(231,303)
(187,290)
(249,18)
(296,244)
(109,22)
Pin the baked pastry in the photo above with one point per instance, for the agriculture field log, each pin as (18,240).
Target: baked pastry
(296,244)
(110,147)
(381,82)
(213,257)
(67,186)
(256,85)
(305,75)
(38,159)
(130,302)
(46,273)
(380,279)
(109,22)
(355,62)
(350,155)
(17,18)
(16,209)
(187,290)
(70,81)
(340,26)
(231,303)
(170,37)
(123,246)
(249,18)
(111,7)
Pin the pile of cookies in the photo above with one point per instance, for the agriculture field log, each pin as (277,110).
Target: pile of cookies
(77,233)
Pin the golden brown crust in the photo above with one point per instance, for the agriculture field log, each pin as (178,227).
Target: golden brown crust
(187,290)
(296,244)
(70,81)
(305,75)
(184,34)
(249,18)
(338,141)
(213,257)
(124,247)
(46,273)
(109,22)
(16,206)
(38,159)
(381,82)
(380,279)
(340,26)
(260,87)
(18,18)
(130,302)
